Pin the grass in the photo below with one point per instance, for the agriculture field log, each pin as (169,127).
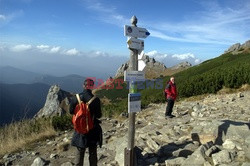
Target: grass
(18,135)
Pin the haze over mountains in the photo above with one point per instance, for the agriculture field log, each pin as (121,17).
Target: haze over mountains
(11,75)
(23,93)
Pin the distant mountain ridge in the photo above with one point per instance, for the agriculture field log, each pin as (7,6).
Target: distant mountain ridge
(23,93)
(227,70)
(71,83)
(12,75)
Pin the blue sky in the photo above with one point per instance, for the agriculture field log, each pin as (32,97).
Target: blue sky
(181,30)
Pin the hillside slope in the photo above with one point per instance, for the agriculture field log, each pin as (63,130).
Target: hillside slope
(214,130)
(228,70)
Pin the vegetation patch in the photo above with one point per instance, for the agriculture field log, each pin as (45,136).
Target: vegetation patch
(227,71)
(18,135)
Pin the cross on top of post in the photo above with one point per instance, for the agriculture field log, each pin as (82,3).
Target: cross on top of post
(134,21)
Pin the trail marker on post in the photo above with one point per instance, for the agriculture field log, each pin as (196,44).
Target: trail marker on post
(134,43)
(134,99)
(141,63)
(141,55)
(134,76)
(134,31)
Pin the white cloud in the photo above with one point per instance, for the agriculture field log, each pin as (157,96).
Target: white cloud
(158,56)
(183,56)
(100,53)
(42,47)
(99,7)
(2,17)
(21,47)
(197,61)
(55,49)
(152,53)
(106,13)
(215,24)
(6,18)
(72,52)
(171,60)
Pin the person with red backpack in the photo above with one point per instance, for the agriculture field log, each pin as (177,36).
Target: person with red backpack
(170,94)
(86,111)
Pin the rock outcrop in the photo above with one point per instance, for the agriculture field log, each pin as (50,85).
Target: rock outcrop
(238,48)
(181,65)
(211,131)
(57,102)
(153,68)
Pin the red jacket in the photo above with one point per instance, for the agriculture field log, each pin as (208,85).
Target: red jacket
(171,91)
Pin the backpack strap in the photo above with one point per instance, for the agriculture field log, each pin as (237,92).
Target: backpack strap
(90,101)
(78,99)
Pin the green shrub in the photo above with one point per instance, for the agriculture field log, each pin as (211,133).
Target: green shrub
(62,122)
(227,70)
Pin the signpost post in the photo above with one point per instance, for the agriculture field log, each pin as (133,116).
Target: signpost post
(134,104)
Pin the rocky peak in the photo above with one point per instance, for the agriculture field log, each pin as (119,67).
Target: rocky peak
(238,48)
(152,66)
(57,102)
(181,65)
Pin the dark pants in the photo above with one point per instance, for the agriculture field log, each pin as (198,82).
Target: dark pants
(169,108)
(92,156)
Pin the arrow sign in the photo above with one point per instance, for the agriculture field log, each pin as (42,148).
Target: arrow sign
(141,65)
(133,31)
(141,55)
(134,43)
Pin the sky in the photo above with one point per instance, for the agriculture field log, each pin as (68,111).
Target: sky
(82,36)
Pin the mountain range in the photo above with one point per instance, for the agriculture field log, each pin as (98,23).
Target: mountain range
(23,93)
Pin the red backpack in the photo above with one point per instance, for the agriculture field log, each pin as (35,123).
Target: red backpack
(82,120)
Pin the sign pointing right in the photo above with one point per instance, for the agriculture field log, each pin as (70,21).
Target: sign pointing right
(134,43)
(133,31)
(141,65)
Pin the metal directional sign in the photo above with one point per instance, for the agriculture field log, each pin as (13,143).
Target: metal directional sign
(141,65)
(141,54)
(133,31)
(134,43)
(134,102)
(134,76)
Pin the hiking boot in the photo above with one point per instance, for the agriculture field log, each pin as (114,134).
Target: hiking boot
(169,116)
